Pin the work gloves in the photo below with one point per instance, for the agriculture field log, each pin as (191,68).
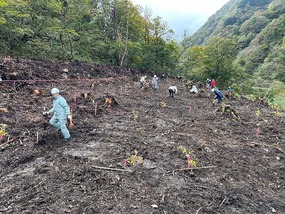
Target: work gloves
(45,113)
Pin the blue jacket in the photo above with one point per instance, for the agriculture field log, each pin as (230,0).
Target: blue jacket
(60,108)
(218,94)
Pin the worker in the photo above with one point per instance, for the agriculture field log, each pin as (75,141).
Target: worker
(194,89)
(143,81)
(213,83)
(172,90)
(230,91)
(154,83)
(60,111)
(219,95)
(209,83)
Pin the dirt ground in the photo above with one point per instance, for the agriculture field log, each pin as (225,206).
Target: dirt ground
(141,140)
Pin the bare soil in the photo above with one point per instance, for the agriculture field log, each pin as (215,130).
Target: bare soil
(239,162)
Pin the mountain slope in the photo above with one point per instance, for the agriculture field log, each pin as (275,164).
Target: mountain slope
(243,159)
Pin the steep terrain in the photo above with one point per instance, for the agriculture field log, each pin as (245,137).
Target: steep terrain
(241,160)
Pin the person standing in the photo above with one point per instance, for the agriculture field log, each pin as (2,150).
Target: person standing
(213,83)
(209,83)
(154,83)
(61,112)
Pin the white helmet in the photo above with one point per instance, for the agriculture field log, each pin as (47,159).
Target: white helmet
(54,91)
(212,90)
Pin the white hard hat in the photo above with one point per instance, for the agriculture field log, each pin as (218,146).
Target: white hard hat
(54,91)
(65,70)
(154,75)
(212,90)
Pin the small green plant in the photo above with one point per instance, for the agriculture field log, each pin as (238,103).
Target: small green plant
(135,114)
(191,161)
(134,159)
(277,114)
(257,112)
(3,131)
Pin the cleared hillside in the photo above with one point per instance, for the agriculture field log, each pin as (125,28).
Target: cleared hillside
(241,160)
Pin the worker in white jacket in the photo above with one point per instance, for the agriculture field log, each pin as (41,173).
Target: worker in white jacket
(194,89)
(172,90)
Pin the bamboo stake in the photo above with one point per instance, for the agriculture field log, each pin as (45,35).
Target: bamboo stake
(113,169)
(96,104)
(202,167)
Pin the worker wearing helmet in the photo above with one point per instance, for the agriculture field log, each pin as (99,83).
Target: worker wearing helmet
(60,112)
(219,95)
(154,83)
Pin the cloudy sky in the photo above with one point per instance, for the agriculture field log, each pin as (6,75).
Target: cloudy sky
(182,15)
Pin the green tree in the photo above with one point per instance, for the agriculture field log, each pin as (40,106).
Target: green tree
(14,32)
(196,63)
(220,55)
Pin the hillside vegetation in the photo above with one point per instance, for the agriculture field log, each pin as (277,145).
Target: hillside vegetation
(242,45)
(257,28)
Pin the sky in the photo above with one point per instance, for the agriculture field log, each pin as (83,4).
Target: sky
(182,15)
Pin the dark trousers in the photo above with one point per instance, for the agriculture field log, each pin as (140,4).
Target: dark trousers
(171,92)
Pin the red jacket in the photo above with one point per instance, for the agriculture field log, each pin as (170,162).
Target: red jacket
(213,84)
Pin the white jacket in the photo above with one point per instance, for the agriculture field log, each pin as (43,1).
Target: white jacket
(143,79)
(194,89)
(173,88)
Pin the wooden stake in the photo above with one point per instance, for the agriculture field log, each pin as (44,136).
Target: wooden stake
(113,169)
(96,104)
(202,167)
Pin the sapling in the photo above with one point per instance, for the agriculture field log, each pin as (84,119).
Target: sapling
(136,115)
(191,162)
(277,114)
(257,113)
(3,131)
(134,159)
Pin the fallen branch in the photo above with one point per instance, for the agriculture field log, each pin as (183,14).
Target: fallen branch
(185,134)
(113,169)
(198,210)
(272,146)
(8,141)
(202,167)
(223,201)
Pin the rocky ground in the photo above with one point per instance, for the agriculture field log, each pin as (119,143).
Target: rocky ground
(129,156)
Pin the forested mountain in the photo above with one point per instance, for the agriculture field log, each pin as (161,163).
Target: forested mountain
(258,29)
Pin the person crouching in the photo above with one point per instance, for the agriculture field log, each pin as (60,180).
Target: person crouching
(219,95)
(172,90)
